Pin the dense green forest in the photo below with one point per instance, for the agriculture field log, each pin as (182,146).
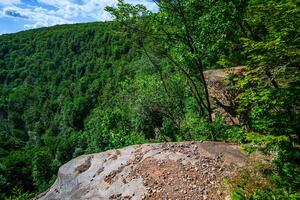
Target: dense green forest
(74,89)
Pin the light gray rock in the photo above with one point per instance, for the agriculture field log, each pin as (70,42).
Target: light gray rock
(144,172)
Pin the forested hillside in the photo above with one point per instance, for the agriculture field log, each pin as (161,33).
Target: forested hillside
(57,86)
(74,89)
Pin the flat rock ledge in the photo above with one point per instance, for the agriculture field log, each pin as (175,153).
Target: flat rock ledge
(187,170)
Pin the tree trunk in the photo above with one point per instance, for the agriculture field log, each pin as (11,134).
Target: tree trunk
(209,110)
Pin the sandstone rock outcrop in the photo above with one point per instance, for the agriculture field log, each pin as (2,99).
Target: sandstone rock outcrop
(189,170)
(222,97)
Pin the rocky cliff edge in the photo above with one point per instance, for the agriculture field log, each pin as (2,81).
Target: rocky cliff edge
(189,170)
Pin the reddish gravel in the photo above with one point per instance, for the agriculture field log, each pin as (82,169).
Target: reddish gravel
(189,170)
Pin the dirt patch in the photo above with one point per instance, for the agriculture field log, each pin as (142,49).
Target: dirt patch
(119,197)
(111,177)
(182,179)
(115,155)
(175,180)
(84,166)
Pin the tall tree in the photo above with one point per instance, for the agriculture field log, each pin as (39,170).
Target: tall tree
(271,44)
(191,34)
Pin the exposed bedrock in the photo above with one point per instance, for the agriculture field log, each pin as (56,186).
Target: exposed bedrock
(189,170)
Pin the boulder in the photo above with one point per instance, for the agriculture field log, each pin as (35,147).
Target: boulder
(188,170)
(223,97)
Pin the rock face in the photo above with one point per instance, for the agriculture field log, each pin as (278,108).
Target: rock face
(222,97)
(190,170)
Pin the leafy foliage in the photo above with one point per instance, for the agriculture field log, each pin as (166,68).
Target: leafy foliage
(52,80)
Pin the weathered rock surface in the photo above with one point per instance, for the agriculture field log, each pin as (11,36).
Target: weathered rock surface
(189,170)
(223,98)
